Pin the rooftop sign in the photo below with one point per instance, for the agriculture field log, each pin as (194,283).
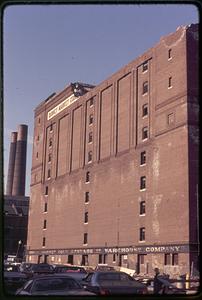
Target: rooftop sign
(60,107)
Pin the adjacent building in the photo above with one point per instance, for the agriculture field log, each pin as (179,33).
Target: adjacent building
(16,204)
(115,167)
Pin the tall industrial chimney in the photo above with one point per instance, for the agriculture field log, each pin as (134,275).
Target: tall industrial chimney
(18,187)
(11,163)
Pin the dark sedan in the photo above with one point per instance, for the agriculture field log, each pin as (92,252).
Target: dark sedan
(13,278)
(39,269)
(111,283)
(53,285)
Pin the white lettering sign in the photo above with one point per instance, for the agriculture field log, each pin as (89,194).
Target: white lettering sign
(60,107)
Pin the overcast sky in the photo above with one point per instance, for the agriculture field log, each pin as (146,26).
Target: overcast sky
(45,47)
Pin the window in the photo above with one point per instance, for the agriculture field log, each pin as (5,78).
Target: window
(100,259)
(44,242)
(170,118)
(142,182)
(51,127)
(50,142)
(85,238)
(142,234)
(86,217)
(145,87)
(91,102)
(167,260)
(39,120)
(37,154)
(44,224)
(49,173)
(143,158)
(175,259)
(145,110)
(90,119)
(49,157)
(90,137)
(114,257)
(169,82)
(141,258)
(70,259)
(46,191)
(142,207)
(145,66)
(169,54)
(37,138)
(88,176)
(45,207)
(87,197)
(90,156)
(145,133)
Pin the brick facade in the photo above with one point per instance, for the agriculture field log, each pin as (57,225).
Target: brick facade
(148,110)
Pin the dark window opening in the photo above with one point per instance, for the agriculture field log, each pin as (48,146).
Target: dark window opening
(88,176)
(145,66)
(145,87)
(143,182)
(70,259)
(170,82)
(142,234)
(90,137)
(85,238)
(175,259)
(90,156)
(145,110)
(167,260)
(142,208)
(50,142)
(169,54)
(44,242)
(145,133)
(49,173)
(44,224)
(46,190)
(45,207)
(90,119)
(87,197)
(86,217)
(143,158)
(141,258)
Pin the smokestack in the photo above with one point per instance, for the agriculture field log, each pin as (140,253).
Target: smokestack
(18,187)
(11,163)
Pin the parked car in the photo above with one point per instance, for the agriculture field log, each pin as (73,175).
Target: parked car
(24,266)
(36,269)
(53,285)
(13,278)
(112,282)
(68,269)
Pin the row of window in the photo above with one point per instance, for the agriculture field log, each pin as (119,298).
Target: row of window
(145,64)
(169,259)
(145,85)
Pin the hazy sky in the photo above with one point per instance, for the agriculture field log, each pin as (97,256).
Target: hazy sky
(45,47)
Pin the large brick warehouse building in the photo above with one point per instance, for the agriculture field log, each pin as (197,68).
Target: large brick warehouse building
(115,167)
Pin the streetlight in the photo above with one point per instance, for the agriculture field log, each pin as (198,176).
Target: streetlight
(19,243)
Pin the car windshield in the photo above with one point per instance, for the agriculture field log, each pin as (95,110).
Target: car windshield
(55,284)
